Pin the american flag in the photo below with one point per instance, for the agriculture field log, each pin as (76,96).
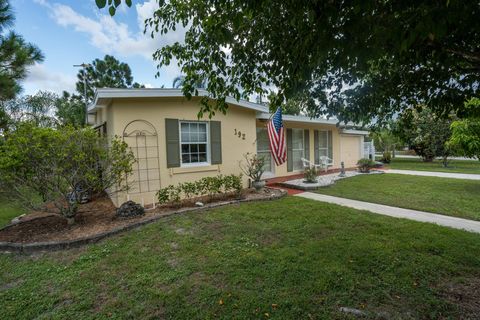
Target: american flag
(276,134)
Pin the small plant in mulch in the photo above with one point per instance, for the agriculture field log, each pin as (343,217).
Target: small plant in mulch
(310,175)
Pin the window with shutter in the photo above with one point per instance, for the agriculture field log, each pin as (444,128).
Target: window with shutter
(194,144)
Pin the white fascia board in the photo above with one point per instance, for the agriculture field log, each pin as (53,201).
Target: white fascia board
(355,132)
(111,93)
(302,119)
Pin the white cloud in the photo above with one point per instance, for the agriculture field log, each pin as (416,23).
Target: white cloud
(40,78)
(114,37)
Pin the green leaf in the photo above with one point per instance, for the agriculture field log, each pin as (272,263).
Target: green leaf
(117,3)
(128,2)
(112,11)
(101,3)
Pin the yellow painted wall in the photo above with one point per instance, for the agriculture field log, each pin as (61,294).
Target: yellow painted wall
(120,112)
(154,110)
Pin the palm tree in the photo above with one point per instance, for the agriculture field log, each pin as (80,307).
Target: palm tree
(179,81)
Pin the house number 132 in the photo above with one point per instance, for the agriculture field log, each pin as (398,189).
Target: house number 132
(239,134)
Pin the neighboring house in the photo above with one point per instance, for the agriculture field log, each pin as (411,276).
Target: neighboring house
(172,145)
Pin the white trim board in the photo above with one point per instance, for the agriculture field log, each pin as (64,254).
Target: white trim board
(103,96)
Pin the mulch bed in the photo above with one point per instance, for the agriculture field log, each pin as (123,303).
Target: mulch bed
(465,295)
(98,217)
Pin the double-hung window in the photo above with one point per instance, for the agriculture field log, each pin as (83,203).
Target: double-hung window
(194,143)
(323,145)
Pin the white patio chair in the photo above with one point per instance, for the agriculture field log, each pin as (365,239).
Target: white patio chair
(307,164)
(325,162)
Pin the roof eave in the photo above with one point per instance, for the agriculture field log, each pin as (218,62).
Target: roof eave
(110,93)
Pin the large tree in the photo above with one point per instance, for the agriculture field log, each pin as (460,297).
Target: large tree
(426,133)
(39,109)
(16,55)
(466,133)
(353,59)
(70,110)
(106,73)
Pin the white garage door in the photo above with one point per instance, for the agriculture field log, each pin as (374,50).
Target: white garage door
(350,150)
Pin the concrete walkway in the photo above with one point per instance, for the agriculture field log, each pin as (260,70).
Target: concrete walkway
(407,156)
(466,176)
(452,222)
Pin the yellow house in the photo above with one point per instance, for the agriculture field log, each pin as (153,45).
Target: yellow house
(172,145)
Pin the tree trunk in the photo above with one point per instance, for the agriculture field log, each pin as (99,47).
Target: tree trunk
(70,220)
(69,211)
(445,161)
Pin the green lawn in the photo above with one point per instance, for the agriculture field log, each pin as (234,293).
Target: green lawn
(453,197)
(8,211)
(288,259)
(457,166)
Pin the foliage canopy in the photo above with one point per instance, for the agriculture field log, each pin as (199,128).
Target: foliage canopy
(466,133)
(15,55)
(105,73)
(426,133)
(352,59)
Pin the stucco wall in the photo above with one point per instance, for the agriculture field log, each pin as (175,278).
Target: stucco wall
(122,111)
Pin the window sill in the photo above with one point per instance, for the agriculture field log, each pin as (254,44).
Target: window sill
(192,169)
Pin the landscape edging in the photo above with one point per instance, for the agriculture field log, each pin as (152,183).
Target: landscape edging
(18,247)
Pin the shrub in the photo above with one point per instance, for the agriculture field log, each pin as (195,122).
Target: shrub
(60,166)
(213,185)
(163,195)
(210,186)
(310,175)
(364,165)
(233,183)
(201,187)
(386,157)
(189,189)
(174,194)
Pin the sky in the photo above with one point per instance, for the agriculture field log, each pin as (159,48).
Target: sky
(70,32)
